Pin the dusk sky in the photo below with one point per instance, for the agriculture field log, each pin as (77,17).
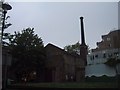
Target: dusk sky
(58,22)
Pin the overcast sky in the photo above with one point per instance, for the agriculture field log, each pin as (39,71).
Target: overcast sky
(58,22)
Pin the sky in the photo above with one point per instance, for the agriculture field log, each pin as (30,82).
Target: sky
(58,22)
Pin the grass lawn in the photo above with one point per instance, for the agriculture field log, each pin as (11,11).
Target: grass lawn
(69,85)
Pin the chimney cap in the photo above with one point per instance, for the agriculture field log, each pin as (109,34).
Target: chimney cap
(81,17)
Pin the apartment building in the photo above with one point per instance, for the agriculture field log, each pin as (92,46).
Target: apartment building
(109,47)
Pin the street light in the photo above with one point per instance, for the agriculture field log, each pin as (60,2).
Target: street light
(5,8)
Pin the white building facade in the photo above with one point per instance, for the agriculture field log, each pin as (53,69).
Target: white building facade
(108,47)
(96,63)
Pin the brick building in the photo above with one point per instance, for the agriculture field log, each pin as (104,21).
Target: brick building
(62,66)
(109,41)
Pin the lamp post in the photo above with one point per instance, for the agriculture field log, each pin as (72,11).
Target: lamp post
(5,7)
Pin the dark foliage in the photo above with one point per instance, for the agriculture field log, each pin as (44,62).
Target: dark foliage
(73,49)
(112,62)
(28,50)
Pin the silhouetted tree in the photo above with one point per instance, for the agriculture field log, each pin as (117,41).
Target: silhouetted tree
(113,62)
(28,49)
(75,48)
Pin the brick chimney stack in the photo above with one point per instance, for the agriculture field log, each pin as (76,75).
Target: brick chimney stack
(83,46)
(82,31)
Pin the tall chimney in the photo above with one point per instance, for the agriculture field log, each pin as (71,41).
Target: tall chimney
(82,32)
(83,46)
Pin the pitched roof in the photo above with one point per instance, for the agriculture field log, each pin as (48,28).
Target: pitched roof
(72,54)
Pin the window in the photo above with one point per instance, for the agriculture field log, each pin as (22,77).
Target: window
(93,57)
(116,53)
(109,45)
(109,55)
(96,56)
(108,39)
(66,77)
(104,55)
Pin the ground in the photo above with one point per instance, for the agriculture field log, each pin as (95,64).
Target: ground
(67,85)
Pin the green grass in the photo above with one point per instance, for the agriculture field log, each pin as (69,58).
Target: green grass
(69,85)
